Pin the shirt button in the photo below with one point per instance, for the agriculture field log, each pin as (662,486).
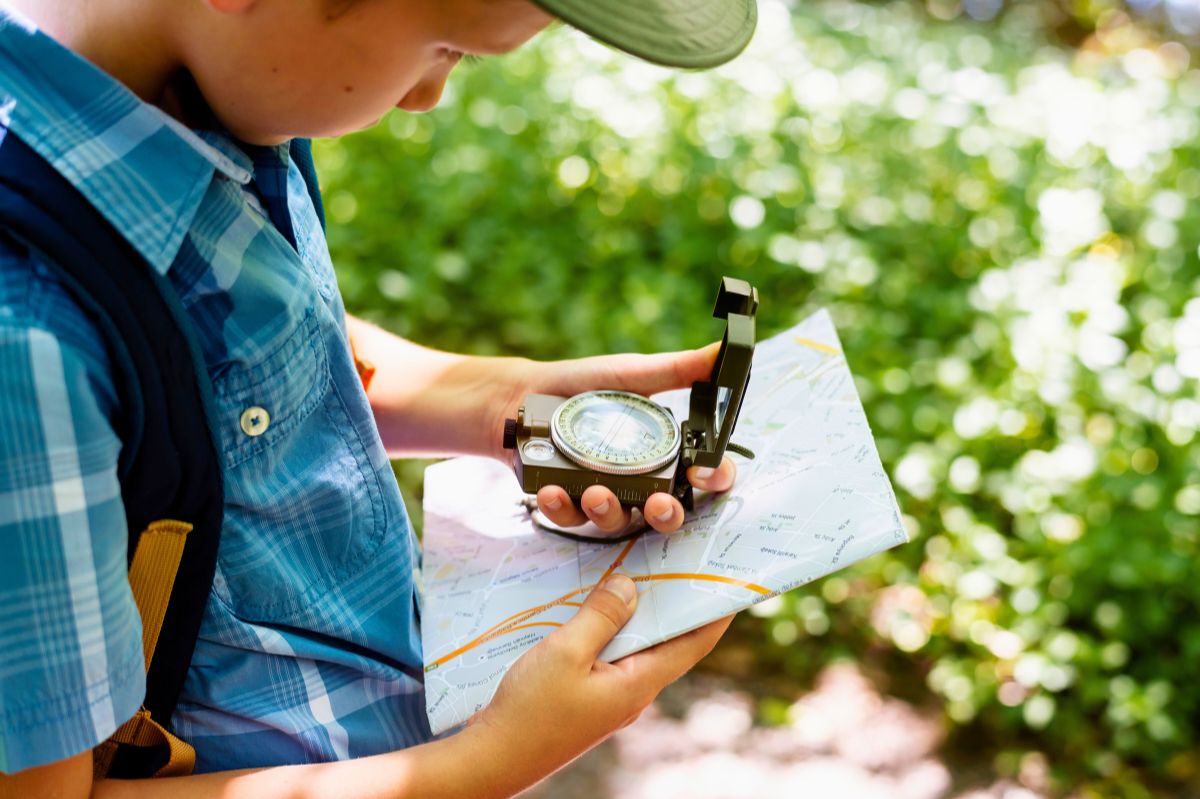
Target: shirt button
(255,421)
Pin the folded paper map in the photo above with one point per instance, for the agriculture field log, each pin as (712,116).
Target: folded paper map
(813,501)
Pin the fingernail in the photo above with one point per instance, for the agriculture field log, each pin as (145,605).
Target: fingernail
(622,586)
(665,516)
(703,473)
(600,509)
(553,504)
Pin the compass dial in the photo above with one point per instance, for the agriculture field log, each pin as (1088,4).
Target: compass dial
(615,432)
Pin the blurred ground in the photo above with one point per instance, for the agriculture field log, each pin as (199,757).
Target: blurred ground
(844,739)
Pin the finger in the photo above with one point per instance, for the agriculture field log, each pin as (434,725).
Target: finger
(602,614)
(649,374)
(666,662)
(557,506)
(604,509)
(644,374)
(663,512)
(718,479)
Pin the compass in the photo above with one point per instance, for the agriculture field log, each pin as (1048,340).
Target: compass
(628,443)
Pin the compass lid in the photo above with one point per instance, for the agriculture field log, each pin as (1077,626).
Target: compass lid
(716,402)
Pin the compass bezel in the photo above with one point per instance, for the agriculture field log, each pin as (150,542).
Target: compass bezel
(565,440)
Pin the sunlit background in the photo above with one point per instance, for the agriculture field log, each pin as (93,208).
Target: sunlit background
(997,202)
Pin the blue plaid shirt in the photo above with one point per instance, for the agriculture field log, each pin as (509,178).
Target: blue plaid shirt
(309,649)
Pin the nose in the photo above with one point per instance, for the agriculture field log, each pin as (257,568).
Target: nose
(426,94)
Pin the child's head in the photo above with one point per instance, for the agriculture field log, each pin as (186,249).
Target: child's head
(274,69)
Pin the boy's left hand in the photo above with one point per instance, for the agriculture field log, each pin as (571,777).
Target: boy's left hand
(641,374)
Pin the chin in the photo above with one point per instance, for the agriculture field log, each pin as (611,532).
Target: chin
(370,124)
(259,138)
(274,133)
(249,133)
(332,128)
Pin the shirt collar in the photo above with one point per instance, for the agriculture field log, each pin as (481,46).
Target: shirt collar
(144,171)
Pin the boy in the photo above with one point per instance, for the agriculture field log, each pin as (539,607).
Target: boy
(172,119)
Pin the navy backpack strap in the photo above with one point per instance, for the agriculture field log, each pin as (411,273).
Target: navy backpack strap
(301,153)
(169,467)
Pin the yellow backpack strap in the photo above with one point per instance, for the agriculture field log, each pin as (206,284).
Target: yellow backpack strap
(152,577)
(144,732)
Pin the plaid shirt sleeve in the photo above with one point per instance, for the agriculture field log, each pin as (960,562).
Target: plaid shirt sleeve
(70,636)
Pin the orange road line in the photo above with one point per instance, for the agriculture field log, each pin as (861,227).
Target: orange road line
(616,563)
(712,578)
(534,624)
(816,345)
(516,618)
(531,612)
(520,616)
(483,639)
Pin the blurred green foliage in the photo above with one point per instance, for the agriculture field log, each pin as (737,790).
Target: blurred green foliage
(1005,233)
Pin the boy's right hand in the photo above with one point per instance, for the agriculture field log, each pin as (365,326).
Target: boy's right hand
(558,701)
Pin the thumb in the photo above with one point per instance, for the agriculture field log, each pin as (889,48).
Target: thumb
(602,615)
(650,374)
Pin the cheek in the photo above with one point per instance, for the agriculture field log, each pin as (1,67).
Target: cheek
(354,91)
(320,97)
(270,88)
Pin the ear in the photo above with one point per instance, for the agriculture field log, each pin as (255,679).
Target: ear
(230,6)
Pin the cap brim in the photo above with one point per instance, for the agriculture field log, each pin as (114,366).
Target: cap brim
(675,33)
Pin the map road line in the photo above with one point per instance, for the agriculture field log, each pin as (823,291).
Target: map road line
(500,629)
(818,346)
(714,578)
(616,563)
(528,614)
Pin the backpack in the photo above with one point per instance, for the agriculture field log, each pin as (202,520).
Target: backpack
(169,469)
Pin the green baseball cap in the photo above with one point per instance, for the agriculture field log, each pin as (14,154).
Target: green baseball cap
(674,33)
